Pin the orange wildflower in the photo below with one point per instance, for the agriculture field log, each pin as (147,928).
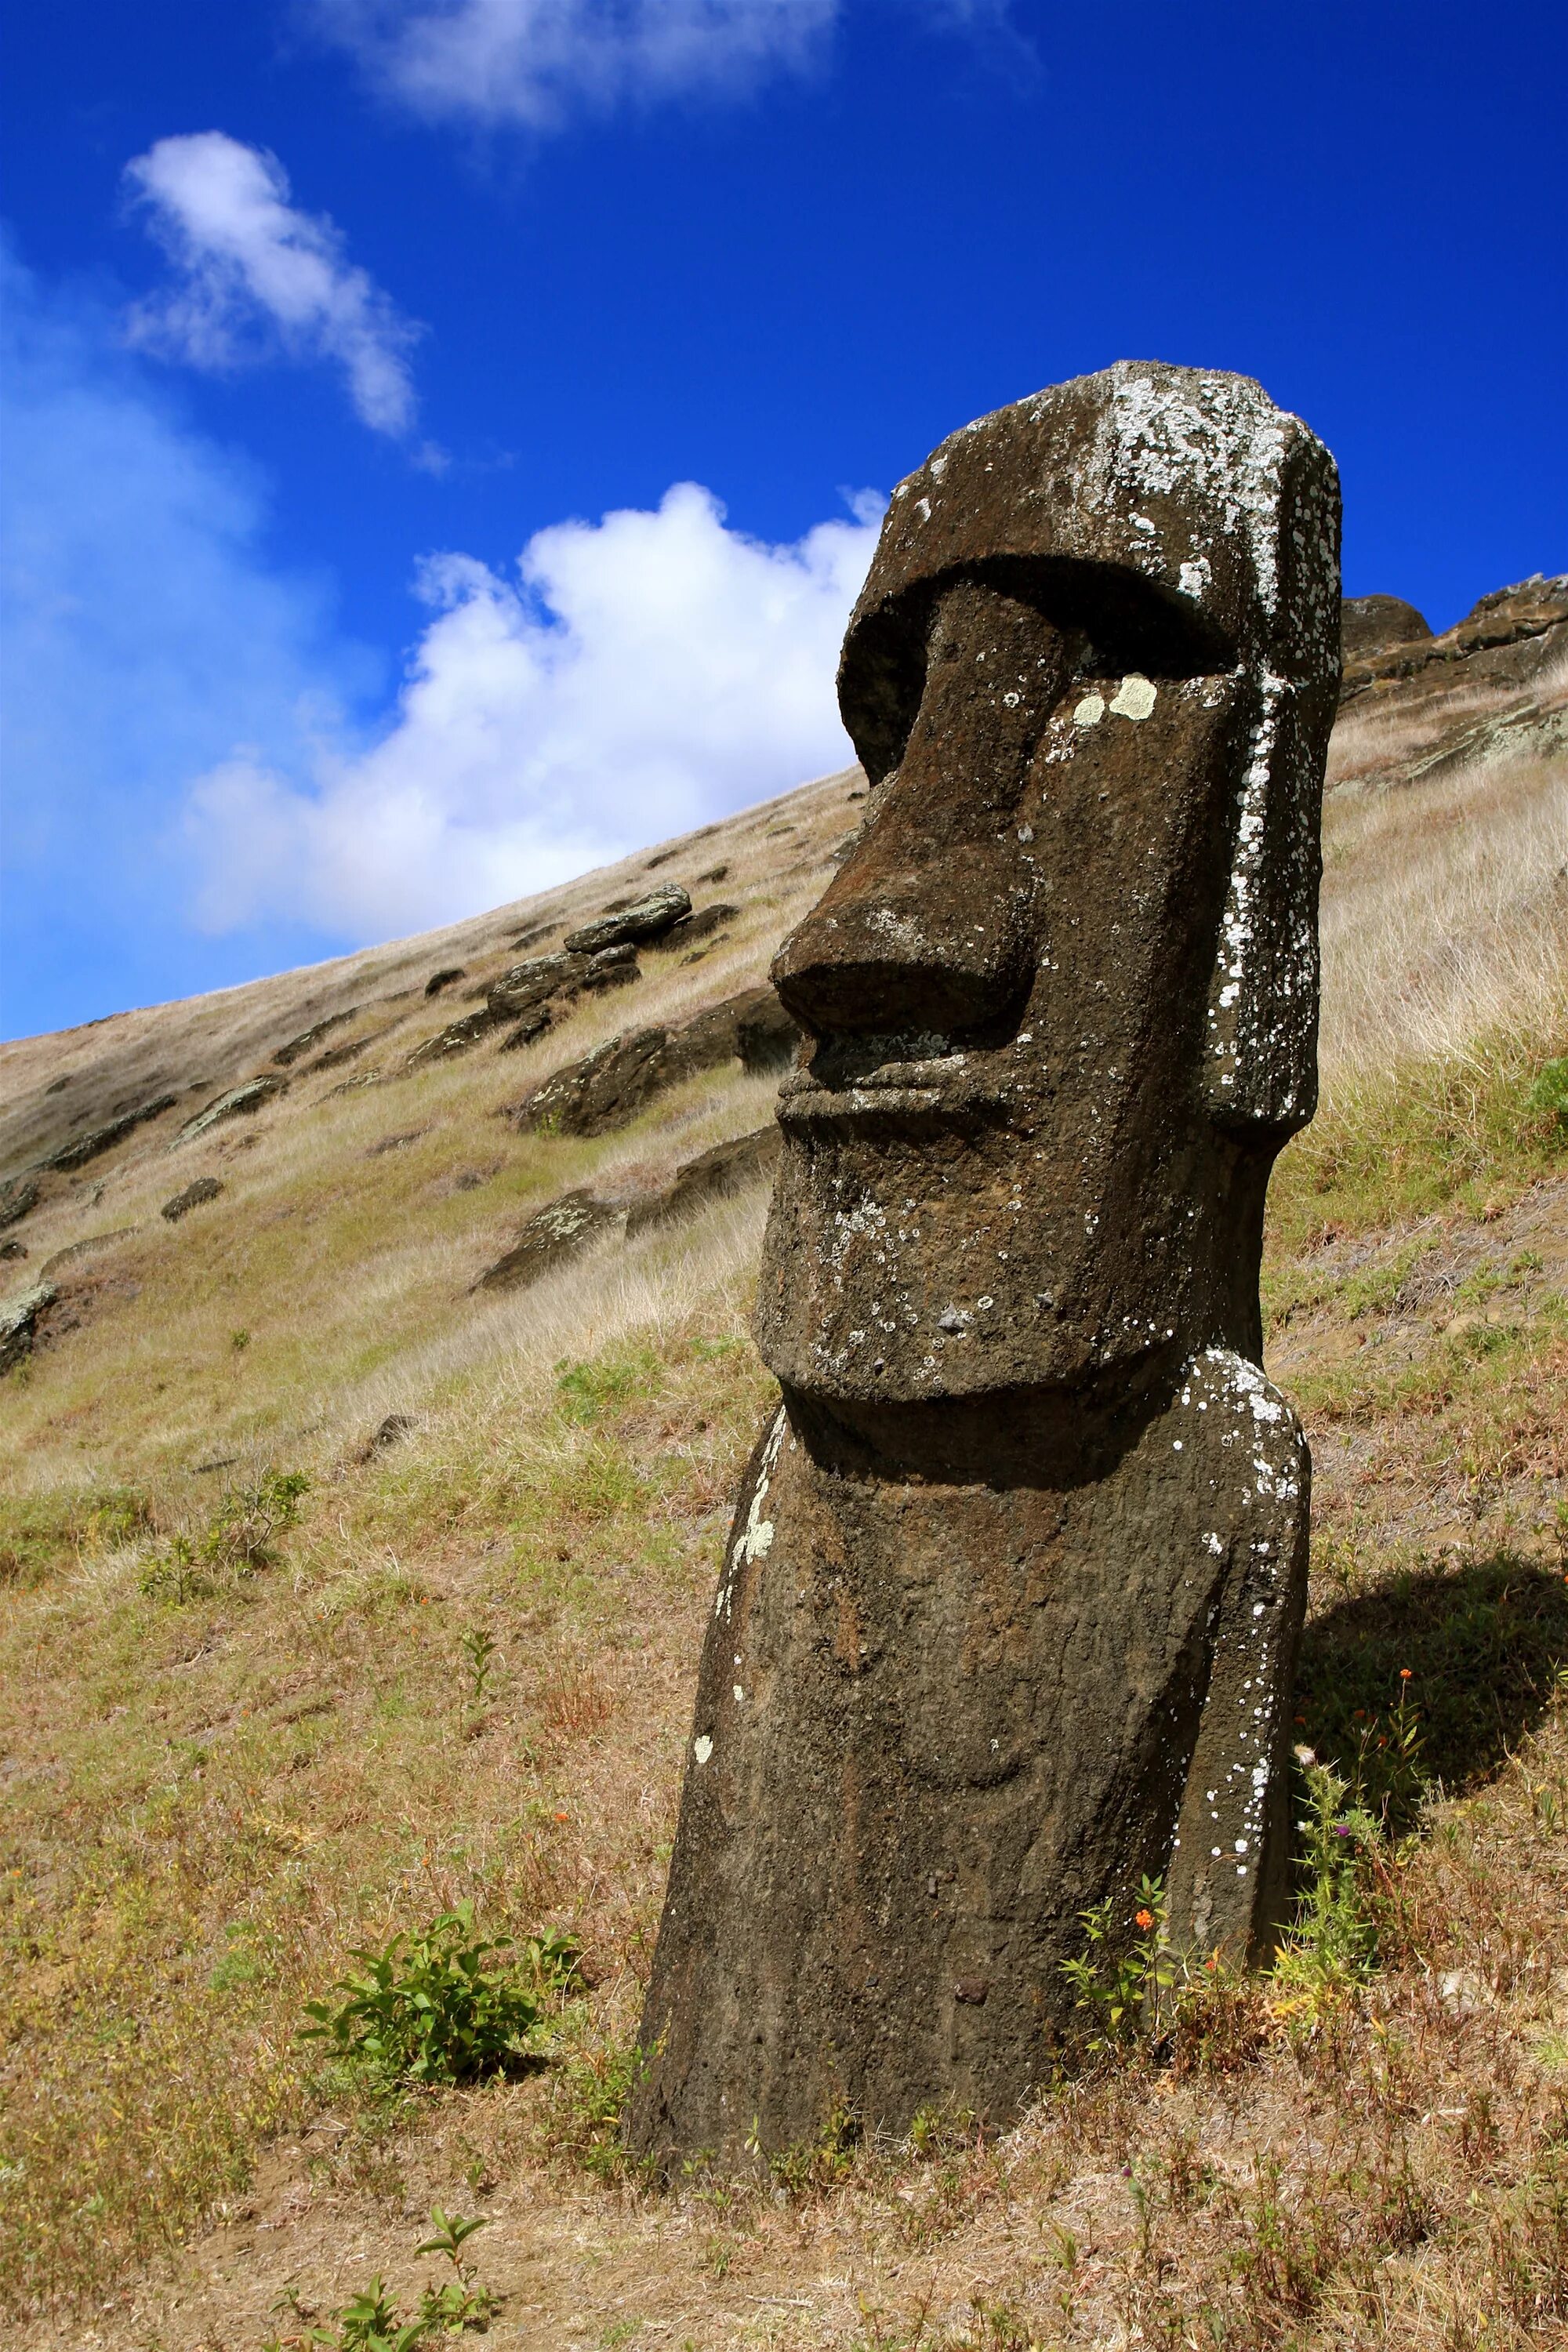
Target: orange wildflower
(1145,1919)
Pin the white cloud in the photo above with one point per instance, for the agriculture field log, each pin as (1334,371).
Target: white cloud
(145,629)
(533,61)
(643,675)
(256,276)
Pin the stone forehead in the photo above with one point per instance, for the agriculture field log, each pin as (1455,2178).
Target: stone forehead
(1190,480)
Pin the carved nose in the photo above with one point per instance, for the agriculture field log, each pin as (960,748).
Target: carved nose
(928,925)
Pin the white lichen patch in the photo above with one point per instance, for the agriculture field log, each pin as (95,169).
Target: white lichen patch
(1136,696)
(701,1748)
(1090,710)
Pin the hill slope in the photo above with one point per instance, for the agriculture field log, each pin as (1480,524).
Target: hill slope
(248,1728)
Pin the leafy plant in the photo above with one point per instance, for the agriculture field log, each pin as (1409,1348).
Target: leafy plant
(1126,1972)
(1333,1942)
(1548,1097)
(439,2007)
(819,2163)
(459,2303)
(480,1648)
(370,2320)
(242,1537)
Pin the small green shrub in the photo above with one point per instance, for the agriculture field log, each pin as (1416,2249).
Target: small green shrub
(1548,1097)
(1125,1975)
(439,2007)
(242,1537)
(1332,1945)
(372,2322)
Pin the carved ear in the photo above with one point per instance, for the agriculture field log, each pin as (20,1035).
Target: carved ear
(1261,1063)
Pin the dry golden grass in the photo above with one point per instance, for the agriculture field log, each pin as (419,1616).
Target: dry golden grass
(213,1797)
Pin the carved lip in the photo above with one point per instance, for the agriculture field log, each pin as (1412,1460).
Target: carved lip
(945,1087)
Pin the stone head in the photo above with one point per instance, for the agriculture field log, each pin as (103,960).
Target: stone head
(1061,998)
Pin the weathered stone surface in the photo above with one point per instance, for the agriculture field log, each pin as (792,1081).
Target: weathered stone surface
(604,1089)
(527,984)
(647,919)
(88,1246)
(13,1249)
(557,1234)
(708,919)
(291,1052)
(1509,638)
(456,1038)
(19,1323)
(612,1084)
(240,1102)
(443,978)
(19,1195)
(726,1167)
(103,1138)
(206,1188)
(1370,625)
(1009,1609)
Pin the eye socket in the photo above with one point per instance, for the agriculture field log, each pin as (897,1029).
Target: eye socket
(1121,621)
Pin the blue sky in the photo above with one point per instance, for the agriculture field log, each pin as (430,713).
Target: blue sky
(443,437)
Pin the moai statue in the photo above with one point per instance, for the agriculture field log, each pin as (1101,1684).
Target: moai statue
(1009,1610)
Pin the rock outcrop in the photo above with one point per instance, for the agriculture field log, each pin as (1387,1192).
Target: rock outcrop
(1370,625)
(643,919)
(205,1188)
(20,1319)
(712,1176)
(551,1237)
(611,1085)
(1008,1612)
(100,1139)
(1507,638)
(240,1102)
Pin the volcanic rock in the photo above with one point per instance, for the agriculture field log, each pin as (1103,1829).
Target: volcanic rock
(1008,1612)
(726,1168)
(291,1052)
(240,1102)
(19,1322)
(1369,624)
(103,1138)
(206,1188)
(648,918)
(560,1232)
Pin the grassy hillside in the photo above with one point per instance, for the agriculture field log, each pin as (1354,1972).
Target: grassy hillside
(248,1728)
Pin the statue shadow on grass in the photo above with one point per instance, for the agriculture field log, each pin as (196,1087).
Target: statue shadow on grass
(1483,1643)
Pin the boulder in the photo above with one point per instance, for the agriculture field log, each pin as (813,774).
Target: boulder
(647,919)
(443,978)
(726,1168)
(561,975)
(291,1052)
(13,1249)
(708,919)
(103,1138)
(240,1102)
(456,1038)
(560,1232)
(204,1188)
(611,1085)
(607,1088)
(19,1323)
(19,1195)
(1368,625)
